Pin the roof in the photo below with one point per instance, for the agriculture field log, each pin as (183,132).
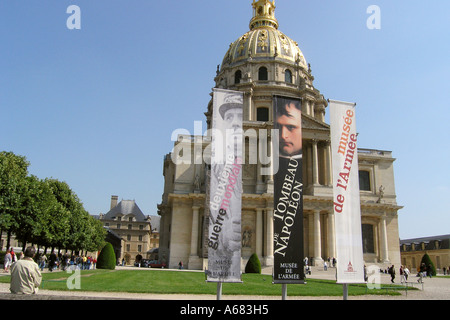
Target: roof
(429,243)
(155,222)
(125,208)
(425,239)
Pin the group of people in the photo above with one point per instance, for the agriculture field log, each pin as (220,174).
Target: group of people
(404,273)
(26,274)
(423,271)
(66,262)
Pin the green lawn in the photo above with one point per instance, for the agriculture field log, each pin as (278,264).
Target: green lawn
(186,282)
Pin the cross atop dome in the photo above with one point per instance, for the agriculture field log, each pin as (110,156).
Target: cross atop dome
(263,14)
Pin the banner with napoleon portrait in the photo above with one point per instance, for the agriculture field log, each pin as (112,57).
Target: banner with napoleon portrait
(288,192)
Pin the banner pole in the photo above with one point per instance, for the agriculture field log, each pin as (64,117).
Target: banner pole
(219,290)
(283,291)
(345,288)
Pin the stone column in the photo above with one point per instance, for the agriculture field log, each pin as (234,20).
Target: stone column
(315,163)
(329,166)
(331,236)
(269,181)
(311,107)
(317,240)
(383,240)
(269,238)
(195,262)
(259,232)
(194,231)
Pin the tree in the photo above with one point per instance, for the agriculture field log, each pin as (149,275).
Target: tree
(107,258)
(95,234)
(34,204)
(427,261)
(13,170)
(46,212)
(253,264)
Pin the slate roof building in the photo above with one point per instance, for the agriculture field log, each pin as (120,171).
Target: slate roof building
(437,248)
(126,219)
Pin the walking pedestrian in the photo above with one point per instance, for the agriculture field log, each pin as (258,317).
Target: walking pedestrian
(392,273)
(42,260)
(7,261)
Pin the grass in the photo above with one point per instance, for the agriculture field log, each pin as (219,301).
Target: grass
(186,282)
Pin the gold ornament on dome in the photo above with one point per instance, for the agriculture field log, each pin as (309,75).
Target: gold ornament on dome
(285,44)
(241,45)
(262,40)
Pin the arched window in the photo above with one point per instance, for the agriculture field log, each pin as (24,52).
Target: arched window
(262,114)
(262,74)
(288,76)
(237,77)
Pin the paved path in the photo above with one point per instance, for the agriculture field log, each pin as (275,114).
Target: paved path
(433,289)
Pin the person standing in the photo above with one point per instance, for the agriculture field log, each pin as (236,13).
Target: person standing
(52,261)
(42,261)
(402,275)
(7,261)
(13,255)
(25,274)
(406,273)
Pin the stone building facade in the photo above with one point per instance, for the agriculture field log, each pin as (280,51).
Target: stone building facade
(262,63)
(437,248)
(128,222)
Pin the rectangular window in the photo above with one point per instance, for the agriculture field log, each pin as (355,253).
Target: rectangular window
(364,180)
(367,237)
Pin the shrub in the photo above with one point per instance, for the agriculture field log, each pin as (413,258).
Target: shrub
(427,261)
(107,258)
(253,264)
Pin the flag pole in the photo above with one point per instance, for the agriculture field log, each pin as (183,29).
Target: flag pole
(219,290)
(283,291)
(345,289)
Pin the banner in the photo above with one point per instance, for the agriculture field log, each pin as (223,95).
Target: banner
(346,202)
(288,192)
(225,194)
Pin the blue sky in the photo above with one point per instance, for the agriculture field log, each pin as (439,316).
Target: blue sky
(96,107)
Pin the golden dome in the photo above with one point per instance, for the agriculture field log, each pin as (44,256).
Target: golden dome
(264,41)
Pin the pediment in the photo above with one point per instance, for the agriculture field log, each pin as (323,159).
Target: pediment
(311,123)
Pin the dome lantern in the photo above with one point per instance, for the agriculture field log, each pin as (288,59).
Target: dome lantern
(263,14)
